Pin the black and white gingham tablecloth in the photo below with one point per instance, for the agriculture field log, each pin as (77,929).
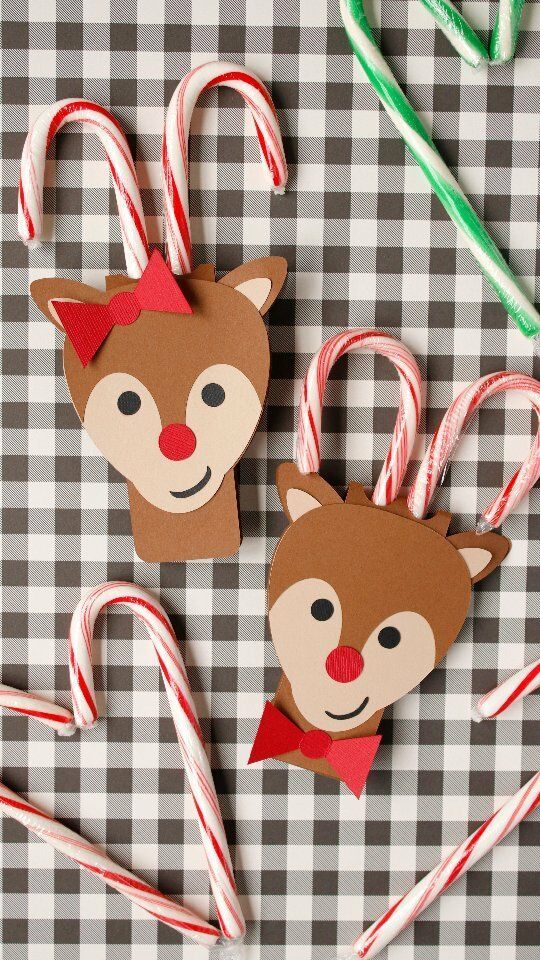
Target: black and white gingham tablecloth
(366,243)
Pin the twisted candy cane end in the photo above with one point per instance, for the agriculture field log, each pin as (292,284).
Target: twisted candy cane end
(484,526)
(228,950)
(67,731)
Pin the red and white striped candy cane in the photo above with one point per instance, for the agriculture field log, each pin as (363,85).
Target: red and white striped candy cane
(95,860)
(94,119)
(30,705)
(188,731)
(446,436)
(175,163)
(356,340)
(508,692)
(407,908)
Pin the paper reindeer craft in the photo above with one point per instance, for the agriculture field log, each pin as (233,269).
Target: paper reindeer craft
(366,595)
(168,376)
(364,601)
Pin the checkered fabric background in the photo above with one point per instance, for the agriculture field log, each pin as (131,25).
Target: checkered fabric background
(366,243)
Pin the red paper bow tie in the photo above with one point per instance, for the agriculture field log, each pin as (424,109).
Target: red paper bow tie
(351,759)
(88,324)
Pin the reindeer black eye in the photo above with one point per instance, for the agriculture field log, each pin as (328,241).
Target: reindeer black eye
(129,403)
(213,394)
(389,637)
(322,609)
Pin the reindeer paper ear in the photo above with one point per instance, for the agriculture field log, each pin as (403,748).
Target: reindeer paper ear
(299,493)
(482,553)
(259,280)
(44,292)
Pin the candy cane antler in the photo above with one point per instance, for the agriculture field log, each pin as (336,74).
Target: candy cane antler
(188,731)
(96,120)
(447,435)
(356,340)
(175,162)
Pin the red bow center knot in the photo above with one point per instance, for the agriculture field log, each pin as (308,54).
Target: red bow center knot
(315,744)
(125,307)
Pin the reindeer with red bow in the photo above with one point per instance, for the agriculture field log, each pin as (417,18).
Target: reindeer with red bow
(168,375)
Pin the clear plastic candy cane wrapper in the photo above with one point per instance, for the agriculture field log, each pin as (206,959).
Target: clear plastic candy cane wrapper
(454,422)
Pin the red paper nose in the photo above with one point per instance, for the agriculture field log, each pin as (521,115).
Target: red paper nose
(177,441)
(344,664)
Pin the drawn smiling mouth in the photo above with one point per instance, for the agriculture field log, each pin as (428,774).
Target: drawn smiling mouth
(181,494)
(348,716)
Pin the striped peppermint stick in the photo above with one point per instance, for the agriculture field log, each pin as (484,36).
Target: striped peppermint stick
(445,186)
(94,119)
(511,690)
(407,909)
(505,30)
(447,435)
(188,731)
(30,705)
(175,162)
(356,340)
(95,860)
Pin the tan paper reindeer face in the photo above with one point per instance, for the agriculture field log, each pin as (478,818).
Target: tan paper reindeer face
(172,399)
(363,602)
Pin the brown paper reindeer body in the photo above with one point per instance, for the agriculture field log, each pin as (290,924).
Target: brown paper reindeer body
(363,602)
(171,397)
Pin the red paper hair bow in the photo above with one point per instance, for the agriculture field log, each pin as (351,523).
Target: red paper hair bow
(87,325)
(351,759)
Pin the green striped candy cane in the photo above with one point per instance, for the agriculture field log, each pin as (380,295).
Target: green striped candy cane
(457,31)
(505,31)
(464,39)
(443,183)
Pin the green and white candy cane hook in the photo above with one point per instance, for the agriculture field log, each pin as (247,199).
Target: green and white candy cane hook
(464,39)
(442,181)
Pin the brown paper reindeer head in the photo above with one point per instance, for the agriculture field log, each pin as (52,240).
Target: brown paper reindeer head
(363,602)
(168,376)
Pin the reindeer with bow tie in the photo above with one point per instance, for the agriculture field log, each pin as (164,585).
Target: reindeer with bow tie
(365,597)
(363,602)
